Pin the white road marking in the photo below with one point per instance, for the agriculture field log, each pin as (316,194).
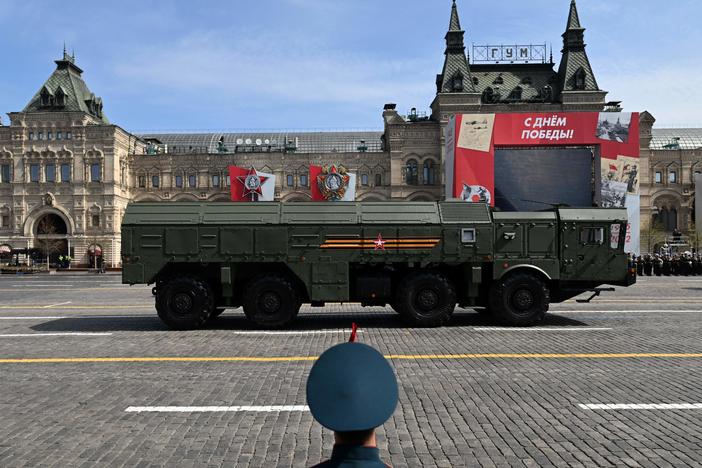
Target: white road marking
(41,285)
(535,329)
(215,409)
(32,335)
(55,305)
(643,406)
(48,317)
(640,311)
(300,332)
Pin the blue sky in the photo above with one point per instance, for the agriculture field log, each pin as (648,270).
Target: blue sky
(327,64)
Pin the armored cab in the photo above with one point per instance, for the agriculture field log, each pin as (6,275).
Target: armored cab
(421,258)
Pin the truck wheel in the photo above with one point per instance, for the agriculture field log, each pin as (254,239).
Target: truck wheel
(519,300)
(184,303)
(426,299)
(271,301)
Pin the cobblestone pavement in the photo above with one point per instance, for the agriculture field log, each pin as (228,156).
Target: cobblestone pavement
(471,393)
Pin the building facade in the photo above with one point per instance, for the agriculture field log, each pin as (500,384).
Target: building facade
(67,173)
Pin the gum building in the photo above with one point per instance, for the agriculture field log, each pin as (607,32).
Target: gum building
(67,173)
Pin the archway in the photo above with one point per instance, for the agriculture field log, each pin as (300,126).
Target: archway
(51,237)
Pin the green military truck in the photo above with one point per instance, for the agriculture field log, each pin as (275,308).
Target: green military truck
(422,259)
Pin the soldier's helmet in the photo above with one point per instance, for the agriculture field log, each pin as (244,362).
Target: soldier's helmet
(351,387)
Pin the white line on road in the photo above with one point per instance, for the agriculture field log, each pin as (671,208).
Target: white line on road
(299,332)
(56,305)
(643,406)
(641,311)
(47,317)
(41,285)
(554,329)
(215,409)
(32,335)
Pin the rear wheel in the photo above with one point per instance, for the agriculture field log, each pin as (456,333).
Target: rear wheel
(425,299)
(520,300)
(271,301)
(184,303)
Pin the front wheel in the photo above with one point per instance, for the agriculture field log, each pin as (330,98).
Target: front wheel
(520,300)
(184,303)
(426,299)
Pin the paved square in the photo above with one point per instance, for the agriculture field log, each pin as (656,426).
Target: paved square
(76,351)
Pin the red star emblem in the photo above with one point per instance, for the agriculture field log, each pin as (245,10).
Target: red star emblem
(379,243)
(252,184)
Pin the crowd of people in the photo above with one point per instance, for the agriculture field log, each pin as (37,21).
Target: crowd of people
(668,264)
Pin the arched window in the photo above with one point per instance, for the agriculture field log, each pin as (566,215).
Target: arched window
(411,172)
(364,180)
(457,82)
(429,173)
(378,180)
(516,94)
(499,80)
(579,79)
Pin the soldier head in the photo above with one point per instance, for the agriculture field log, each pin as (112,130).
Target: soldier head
(352,390)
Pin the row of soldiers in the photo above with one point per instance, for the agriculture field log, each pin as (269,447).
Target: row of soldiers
(686,264)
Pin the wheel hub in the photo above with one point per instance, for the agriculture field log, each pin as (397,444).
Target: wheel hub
(182,303)
(270,302)
(523,299)
(427,299)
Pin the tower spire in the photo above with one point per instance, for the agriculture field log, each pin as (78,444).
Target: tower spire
(456,77)
(573,18)
(575,72)
(455,23)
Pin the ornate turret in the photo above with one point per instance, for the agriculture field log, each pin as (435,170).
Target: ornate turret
(65,91)
(575,72)
(455,77)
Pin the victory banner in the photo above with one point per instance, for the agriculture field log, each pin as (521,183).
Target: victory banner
(332,183)
(250,185)
(472,141)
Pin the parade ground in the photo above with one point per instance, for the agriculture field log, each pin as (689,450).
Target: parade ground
(89,376)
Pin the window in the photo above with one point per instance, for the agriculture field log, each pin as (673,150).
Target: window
(673,177)
(411,173)
(378,180)
(304,180)
(65,172)
(290,180)
(59,135)
(34,172)
(155,181)
(41,135)
(659,177)
(468,236)
(96,220)
(95,173)
(142,181)
(31,136)
(592,236)
(179,181)
(5,221)
(49,135)
(5,174)
(50,172)
(429,173)
(215,181)
(192,181)
(228,180)
(68,135)
(579,79)
(364,179)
